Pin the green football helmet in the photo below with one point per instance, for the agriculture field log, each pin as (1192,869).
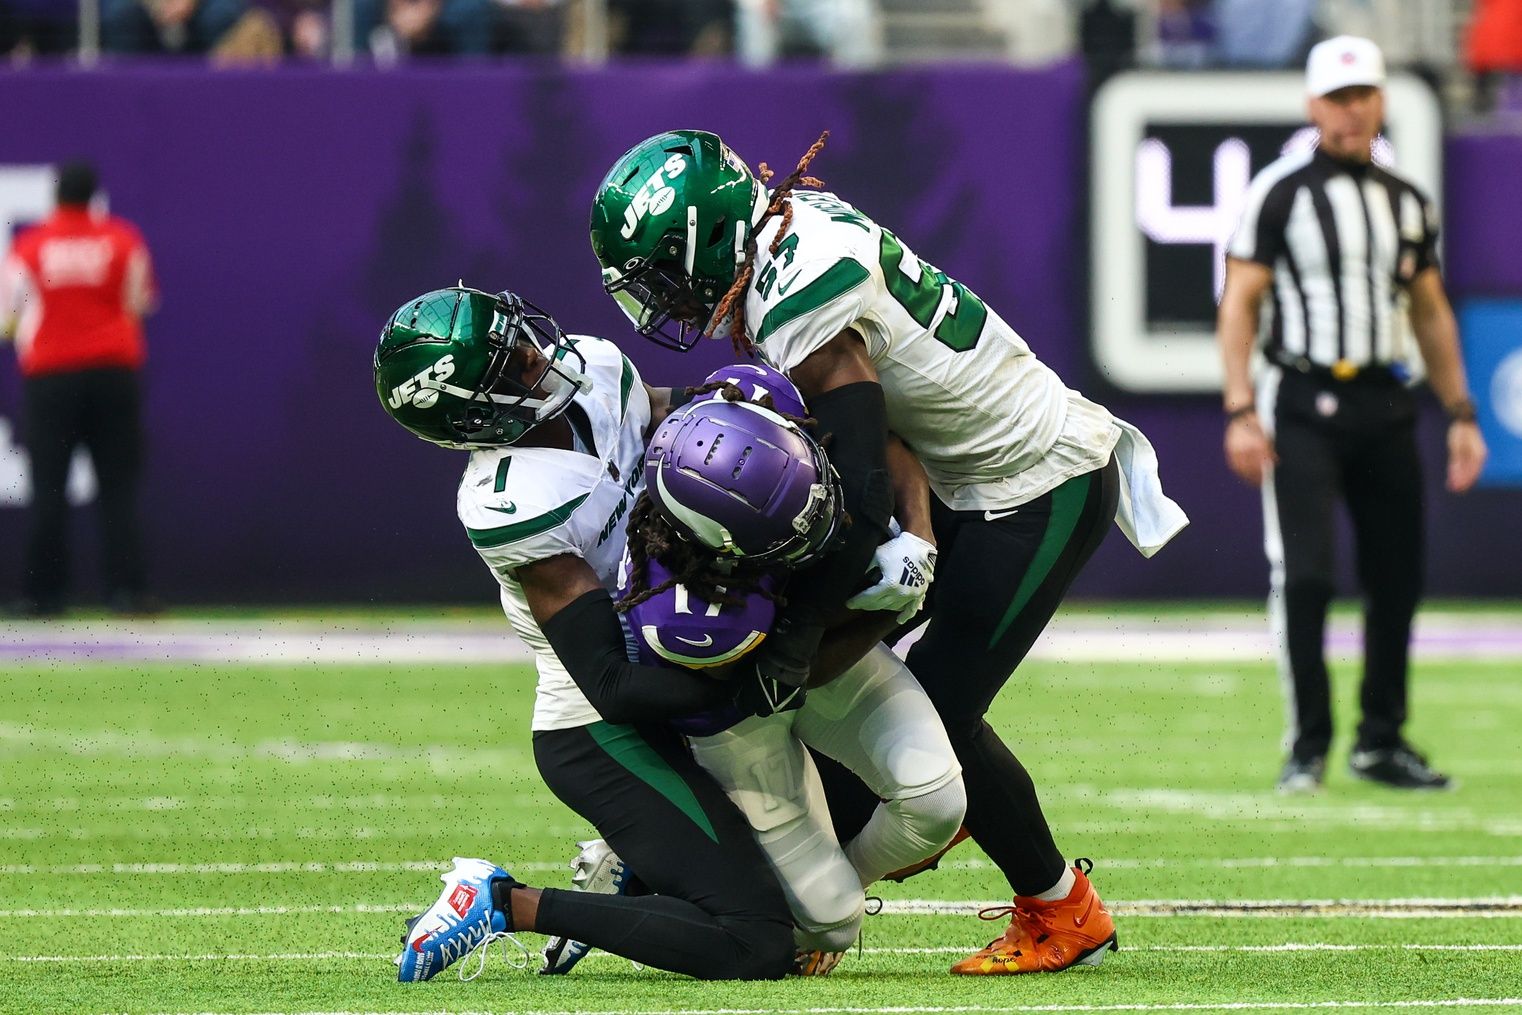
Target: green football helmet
(669,227)
(463,368)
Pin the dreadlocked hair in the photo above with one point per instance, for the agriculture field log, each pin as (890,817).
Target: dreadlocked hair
(731,392)
(691,565)
(733,302)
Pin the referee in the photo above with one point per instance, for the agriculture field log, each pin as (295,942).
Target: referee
(1341,247)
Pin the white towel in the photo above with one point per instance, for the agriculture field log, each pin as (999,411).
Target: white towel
(1145,514)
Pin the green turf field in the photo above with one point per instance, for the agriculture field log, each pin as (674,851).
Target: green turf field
(200,837)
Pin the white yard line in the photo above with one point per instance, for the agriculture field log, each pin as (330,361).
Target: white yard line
(243,803)
(1509,906)
(1276,862)
(1456,1002)
(142,744)
(29,823)
(178,832)
(1288,946)
(596,955)
(226,957)
(1075,638)
(1506,906)
(273,867)
(207,911)
(1352,861)
(409,866)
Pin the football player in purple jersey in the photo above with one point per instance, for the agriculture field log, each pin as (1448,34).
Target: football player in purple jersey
(737,496)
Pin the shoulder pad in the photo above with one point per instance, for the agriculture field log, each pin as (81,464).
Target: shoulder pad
(509,495)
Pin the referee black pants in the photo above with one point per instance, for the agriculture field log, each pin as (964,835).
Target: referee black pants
(98,410)
(997,584)
(1349,441)
(718,912)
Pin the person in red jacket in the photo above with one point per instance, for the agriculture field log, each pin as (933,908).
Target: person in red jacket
(1493,51)
(73,291)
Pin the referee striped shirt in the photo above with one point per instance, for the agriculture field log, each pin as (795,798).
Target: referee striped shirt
(1344,241)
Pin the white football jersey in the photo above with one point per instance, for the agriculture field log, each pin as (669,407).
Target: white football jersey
(993,425)
(520,505)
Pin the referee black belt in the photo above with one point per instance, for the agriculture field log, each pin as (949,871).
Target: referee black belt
(1343,371)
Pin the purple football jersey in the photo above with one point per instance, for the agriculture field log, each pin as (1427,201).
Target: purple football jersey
(678,628)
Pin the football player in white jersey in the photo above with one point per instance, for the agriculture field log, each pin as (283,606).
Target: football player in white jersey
(1027,474)
(556,426)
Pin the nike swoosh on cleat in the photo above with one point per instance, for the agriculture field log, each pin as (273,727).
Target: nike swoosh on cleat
(1082,918)
(704,643)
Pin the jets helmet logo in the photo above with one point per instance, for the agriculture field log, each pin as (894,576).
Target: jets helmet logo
(421,389)
(654,196)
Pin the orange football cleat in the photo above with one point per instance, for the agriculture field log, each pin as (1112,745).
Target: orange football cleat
(1047,937)
(816,963)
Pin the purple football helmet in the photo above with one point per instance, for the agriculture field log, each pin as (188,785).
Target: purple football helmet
(743,482)
(757,379)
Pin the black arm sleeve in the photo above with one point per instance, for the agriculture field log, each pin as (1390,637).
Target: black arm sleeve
(590,643)
(855,419)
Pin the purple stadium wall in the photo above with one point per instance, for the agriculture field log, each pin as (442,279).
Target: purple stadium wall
(289,212)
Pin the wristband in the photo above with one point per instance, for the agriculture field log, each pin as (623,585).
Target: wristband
(1238,413)
(1461,411)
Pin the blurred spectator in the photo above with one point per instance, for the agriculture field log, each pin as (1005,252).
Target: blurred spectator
(1410,32)
(254,39)
(842,30)
(168,26)
(1107,37)
(1493,51)
(302,25)
(1186,34)
(38,27)
(77,287)
(529,26)
(309,32)
(392,29)
(1252,33)
(669,27)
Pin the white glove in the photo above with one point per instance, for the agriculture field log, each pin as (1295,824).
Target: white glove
(906,565)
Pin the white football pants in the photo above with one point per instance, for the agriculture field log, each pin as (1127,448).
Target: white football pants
(876,721)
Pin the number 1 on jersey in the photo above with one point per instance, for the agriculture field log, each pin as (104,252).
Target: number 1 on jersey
(962,325)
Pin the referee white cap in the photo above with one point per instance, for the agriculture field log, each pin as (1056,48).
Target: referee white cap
(1343,61)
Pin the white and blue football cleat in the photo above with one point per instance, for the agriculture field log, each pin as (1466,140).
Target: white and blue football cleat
(461,921)
(596,869)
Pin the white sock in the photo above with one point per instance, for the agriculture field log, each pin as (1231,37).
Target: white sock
(1062,889)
